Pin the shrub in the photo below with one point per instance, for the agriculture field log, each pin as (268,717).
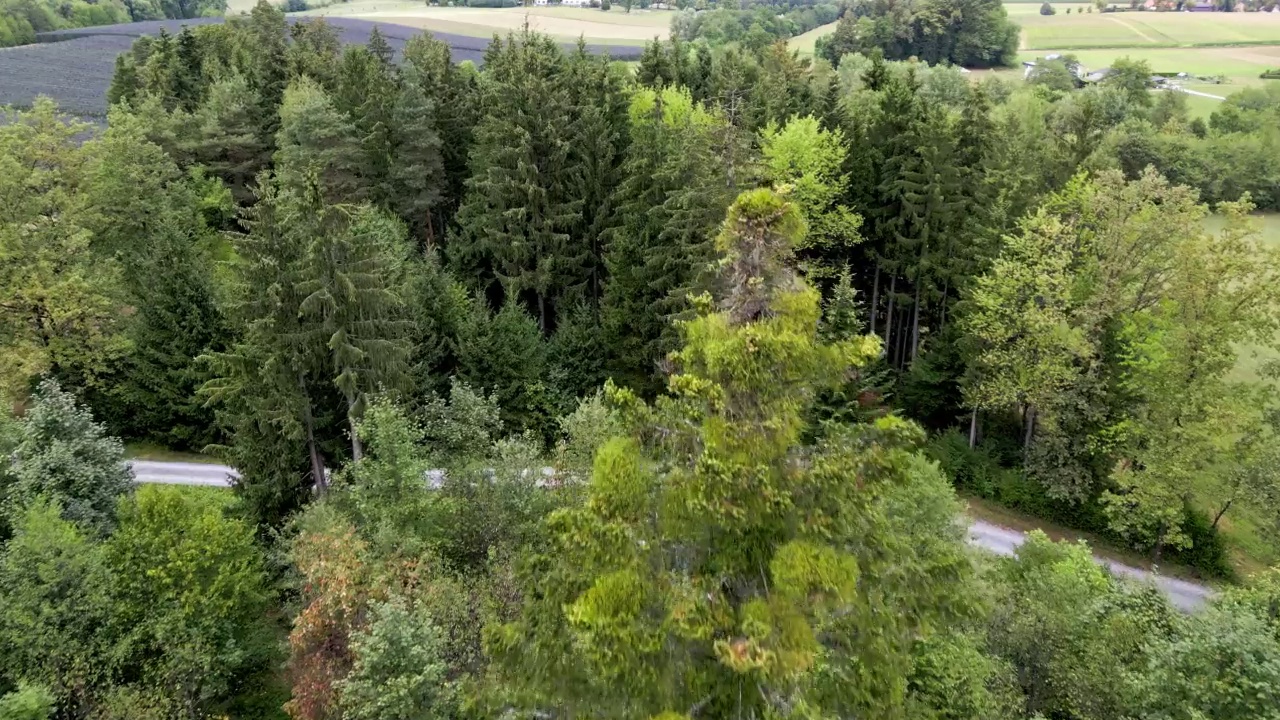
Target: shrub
(1047,9)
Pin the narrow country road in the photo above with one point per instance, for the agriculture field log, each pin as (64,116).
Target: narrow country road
(1184,595)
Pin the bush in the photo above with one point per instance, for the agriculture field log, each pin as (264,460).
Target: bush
(1047,9)
(606,5)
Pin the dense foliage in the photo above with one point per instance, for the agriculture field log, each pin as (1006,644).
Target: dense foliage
(969,33)
(558,390)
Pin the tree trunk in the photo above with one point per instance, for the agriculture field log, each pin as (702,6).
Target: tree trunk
(431,231)
(904,338)
(542,313)
(915,327)
(888,318)
(313,450)
(973,429)
(942,324)
(1029,421)
(1221,512)
(357,450)
(875,298)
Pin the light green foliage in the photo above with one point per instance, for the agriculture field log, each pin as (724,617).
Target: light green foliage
(1132,77)
(703,562)
(463,428)
(398,672)
(808,163)
(60,308)
(191,589)
(64,457)
(28,702)
(145,212)
(1109,323)
(55,608)
(953,678)
(582,431)
(1018,319)
(385,492)
(1225,665)
(1069,632)
(1261,596)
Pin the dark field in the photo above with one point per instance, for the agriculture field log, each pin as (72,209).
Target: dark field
(74,66)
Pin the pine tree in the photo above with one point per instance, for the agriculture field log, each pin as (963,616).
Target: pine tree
(515,223)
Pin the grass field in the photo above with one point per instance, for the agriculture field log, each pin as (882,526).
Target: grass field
(1148,29)
(616,27)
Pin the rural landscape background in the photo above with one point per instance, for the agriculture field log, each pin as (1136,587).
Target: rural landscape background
(388,360)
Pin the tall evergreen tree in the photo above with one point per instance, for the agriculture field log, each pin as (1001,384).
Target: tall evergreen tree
(516,222)
(674,189)
(453,91)
(367,91)
(318,141)
(416,179)
(353,305)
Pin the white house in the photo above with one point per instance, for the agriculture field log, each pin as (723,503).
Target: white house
(575,3)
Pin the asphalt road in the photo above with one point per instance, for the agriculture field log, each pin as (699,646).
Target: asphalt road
(1186,596)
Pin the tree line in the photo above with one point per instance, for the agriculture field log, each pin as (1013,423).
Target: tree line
(754,312)
(20,20)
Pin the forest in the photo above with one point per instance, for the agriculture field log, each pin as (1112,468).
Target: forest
(560,388)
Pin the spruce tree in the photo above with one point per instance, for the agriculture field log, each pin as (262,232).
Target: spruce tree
(453,91)
(267,71)
(600,136)
(189,84)
(317,140)
(515,223)
(261,387)
(504,354)
(352,304)
(416,178)
(673,191)
(226,140)
(367,91)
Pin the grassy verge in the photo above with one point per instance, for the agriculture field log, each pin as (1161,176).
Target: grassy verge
(995,514)
(139,450)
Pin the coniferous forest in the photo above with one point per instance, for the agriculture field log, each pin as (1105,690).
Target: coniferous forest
(559,387)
